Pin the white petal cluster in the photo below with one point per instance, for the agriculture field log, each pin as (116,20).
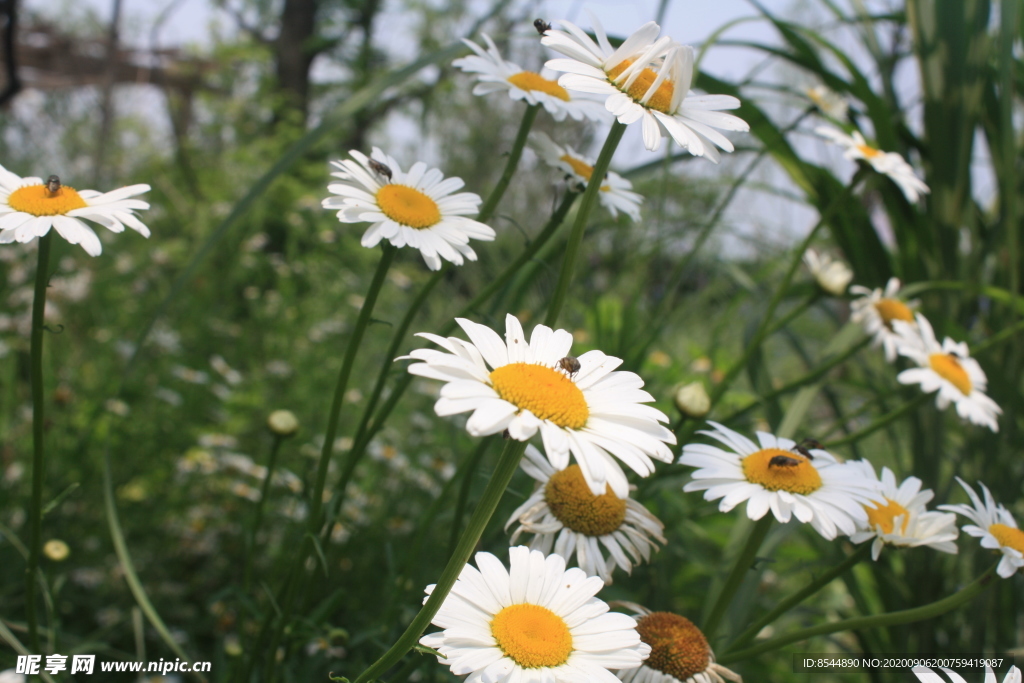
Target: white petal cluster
(887,163)
(989,519)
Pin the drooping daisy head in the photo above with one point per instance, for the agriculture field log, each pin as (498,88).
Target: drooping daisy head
(775,476)
(594,412)
(536,621)
(679,651)
(616,192)
(947,368)
(495,74)
(831,275)
(926,675)
(563,514)
(877,309)
(828,101)
(994,525)
(887,163)
(897,516)
(646,78)
(29,207)
(415,208)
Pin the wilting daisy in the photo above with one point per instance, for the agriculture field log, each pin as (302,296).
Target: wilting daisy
(947,368)
(773,476)
(995,526)
(876,309)
(616,192)
(832,276)
(828,101)
(897,516)
(536,622)
(496,73)
(579,405)
(886,163)
(646,78)
(414,208)
(565,515)
(29,207)
(679,651)
(926,675)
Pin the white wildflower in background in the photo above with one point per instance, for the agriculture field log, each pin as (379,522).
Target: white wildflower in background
(496,74)
(828,101)
(616,192)
(994,525)
(832,276)
(948,369)
(414,208)
(29,207)
(534,622)
(565,516)
(886,163)
(876,309)
(646,78)
(927,675)
(593,412)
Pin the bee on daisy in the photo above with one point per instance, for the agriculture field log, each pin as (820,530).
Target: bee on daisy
(29,207)
(994,525)
(947,369)
(809,484)
(889,164)
(414,208)
(646,79)
(595,413)
(535,621)
(565,516)
(876,309)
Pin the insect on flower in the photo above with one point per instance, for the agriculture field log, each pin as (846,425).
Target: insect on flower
(570,365)
(53,185)
(783,461)
(380,169)
(541,26)
(803,446)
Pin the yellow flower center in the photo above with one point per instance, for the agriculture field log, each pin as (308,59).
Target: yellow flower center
(37,200)
(779,470)
(1008,536)
(532,636)
(948,368)
(662,97)
(868,151)
(893,309)
(528,80)
(545,392)
(678,648)
(573,504)
(582,169)
(407,206)
(884,516)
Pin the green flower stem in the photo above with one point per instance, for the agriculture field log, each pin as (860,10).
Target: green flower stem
(508,463)
(572,247)
(257,518)
(906,616)
(881,422)
(464,486)
(799,596)
(38,447)
(738,573)
(487,210)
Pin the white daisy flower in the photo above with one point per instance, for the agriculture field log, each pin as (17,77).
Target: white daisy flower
(29,207)
(948,368)
(537,622)
(496,74)
(927,675)
(832,276)
(646,78)
(414,208)
(876,309)
(616,192)
(886,163)
(828,101)
(679,651)
(995,526)
(563,514)
(773,476)
(592,412)
(897,516)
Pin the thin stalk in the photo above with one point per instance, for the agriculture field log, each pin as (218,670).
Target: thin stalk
(38,445)
(508,463)
(738,573)
(572,247)
(881,422)
(466,484)
(906,616)
(257,518)
(487,210)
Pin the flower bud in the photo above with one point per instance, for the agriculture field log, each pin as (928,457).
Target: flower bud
(283,423)
(832,276)
(692,400)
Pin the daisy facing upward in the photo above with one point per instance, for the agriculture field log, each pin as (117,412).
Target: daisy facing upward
(877,309)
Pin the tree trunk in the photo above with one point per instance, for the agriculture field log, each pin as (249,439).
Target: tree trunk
(294,54)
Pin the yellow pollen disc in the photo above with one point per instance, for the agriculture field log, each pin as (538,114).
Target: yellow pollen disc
(545,392)
(532,636)
(678,648)
(948,368)
(407,206)
(801,477)
(869,152)
(884,516)
(1008,536)
(528,80)
(662,97)
(572,503)
(893,309)
(582,169)
(37,200)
